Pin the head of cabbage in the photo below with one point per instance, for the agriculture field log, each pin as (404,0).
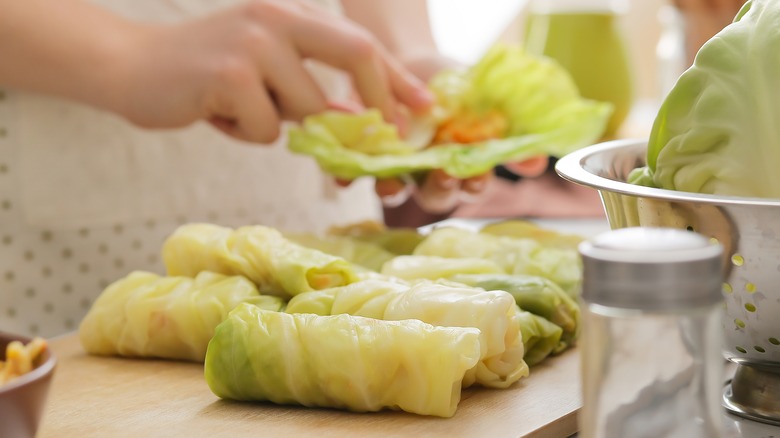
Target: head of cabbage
(718,130)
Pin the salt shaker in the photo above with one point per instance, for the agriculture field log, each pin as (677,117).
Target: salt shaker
(651,345)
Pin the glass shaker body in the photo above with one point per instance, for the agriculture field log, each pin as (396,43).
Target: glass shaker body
(652,342)
(583,36)
(651,374)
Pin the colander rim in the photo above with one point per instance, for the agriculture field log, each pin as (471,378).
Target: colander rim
(571,167)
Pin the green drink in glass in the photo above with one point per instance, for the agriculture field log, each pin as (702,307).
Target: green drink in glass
(583,36)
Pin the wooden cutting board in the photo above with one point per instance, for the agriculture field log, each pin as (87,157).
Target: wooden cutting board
(114,397)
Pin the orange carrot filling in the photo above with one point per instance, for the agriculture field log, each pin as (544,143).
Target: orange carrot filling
(472,128)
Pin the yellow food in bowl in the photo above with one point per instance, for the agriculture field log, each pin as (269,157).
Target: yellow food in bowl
(21,359)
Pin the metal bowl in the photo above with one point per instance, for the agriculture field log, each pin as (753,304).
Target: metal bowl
(748,229)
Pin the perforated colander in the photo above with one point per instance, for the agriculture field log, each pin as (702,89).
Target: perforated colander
(748,229)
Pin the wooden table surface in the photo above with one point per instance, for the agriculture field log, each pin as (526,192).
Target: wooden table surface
(115,397)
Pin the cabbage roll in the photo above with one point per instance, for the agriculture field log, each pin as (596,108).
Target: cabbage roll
(494,313)
(537,295)
(146,315)
(276,265)
(364,254)
(541,338)
(414,267)
(399,241)
(513,255)
(342,361)
(528,230)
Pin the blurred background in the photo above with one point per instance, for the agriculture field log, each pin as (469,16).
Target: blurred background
(627,52)
(464,29)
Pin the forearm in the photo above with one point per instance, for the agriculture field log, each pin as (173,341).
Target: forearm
(67,48)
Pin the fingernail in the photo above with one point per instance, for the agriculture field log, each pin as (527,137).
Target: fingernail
(424,96)
(396,199)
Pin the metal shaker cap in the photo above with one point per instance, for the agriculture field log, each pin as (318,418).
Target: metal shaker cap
(651,269)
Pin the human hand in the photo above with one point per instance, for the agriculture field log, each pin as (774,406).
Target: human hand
(438,192)
(241,69)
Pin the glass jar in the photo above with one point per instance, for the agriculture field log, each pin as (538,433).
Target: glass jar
(584,37)
(651,345)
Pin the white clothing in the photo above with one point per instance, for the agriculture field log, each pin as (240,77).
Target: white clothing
(85,197)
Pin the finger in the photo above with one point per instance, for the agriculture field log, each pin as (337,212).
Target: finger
(370,80)
(345,106)
(392,191)
(401,119)
(345,46)
(408,90)
(296,93)
(476,186)
(438,193)
(440,180)
(531,167)
(245,111)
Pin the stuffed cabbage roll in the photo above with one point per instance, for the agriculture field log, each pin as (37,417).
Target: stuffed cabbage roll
(537,295)
(541,338)
(276,265)
(513,255)
(342,361)
(528,230)
(494,313)
(399,241)
(364,254)
(414,267)
(146,315)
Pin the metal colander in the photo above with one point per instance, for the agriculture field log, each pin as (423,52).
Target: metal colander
(748,229)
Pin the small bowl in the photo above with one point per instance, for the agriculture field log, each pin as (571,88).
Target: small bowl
(22,400)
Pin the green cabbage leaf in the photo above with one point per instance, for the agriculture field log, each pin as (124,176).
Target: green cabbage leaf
(514,256)
(544,113)
(537,295)
(717,130)
(541,338)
